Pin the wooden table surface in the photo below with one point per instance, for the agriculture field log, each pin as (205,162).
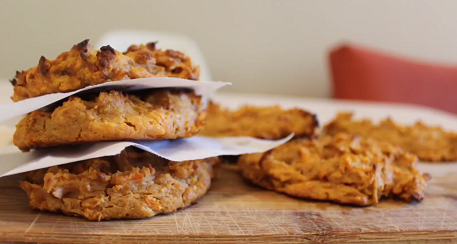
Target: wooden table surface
(236,212)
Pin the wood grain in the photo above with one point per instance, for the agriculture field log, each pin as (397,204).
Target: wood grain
(237,212)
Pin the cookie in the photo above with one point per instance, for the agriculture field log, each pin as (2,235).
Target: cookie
(147,115)
(342,169)
(83,66)
(429,143)
(271,122)
(168,62)
(131,185)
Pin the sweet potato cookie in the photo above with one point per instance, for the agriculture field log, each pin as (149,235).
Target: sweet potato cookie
(259,122)
(342,169)
(148,115)
(168,62)
(132,185)
(83,66)
(427,142)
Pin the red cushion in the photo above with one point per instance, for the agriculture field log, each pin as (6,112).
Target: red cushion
(369,75)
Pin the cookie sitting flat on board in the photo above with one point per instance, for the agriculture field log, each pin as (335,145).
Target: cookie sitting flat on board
(260,122)
(341,168)
(132,185)
(429,143)
(146,115)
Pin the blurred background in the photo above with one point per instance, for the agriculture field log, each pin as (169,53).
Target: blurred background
(261,46)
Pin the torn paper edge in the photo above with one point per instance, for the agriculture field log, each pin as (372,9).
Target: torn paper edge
(193,148)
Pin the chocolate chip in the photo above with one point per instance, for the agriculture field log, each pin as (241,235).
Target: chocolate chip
(41,64)
(13,81)
(108,48)
(152,46)
(83,44)
(177,70)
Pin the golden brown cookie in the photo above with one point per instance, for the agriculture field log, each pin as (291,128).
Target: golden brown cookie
(131,185)
(260,122)
(168,62)
(83,66)
(341,168)
(429,143)
(146,115)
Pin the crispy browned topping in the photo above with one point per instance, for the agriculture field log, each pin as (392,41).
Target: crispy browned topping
(427,142)
(157,114)
(164,62)
(342,169)
(131,185)
(83,66)
(260,122)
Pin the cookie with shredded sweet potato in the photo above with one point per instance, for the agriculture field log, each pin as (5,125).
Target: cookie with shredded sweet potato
(170,63)
(429,143)
(114,115)
(271,122)
(131,185)
(343,169)
(84,66)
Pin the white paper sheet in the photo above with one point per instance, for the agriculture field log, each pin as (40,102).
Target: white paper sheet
(197,147)
(11,110)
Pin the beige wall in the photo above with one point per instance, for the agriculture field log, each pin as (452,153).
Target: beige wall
(271,46)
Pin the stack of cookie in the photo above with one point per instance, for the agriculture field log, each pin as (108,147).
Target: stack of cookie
(133,184)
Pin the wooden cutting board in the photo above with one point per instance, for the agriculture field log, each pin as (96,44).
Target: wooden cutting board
(237,212)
